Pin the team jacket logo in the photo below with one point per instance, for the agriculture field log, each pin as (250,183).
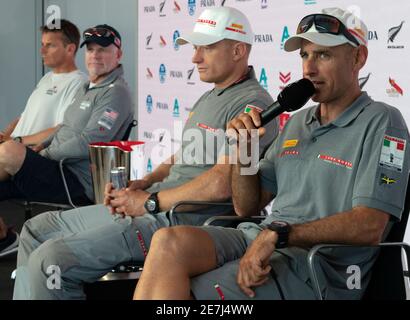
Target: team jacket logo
(206,127)
(289,153)
(392,153)
(290,144)
(250,107)
(336,161)
(386,180)
(52,91)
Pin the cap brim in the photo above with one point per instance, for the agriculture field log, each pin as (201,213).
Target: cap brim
(102,41)
(198,39)
(322,39)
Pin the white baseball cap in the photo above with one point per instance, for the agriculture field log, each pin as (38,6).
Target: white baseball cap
(216,24)
(354,26)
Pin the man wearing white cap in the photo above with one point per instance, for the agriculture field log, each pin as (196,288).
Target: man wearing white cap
(338,173)
(88,242)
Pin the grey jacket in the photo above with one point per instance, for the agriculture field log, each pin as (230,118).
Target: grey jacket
(98,114)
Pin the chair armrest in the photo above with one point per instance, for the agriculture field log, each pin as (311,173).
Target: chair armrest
(61,163)
(173,210)
(314,250)
(235,219)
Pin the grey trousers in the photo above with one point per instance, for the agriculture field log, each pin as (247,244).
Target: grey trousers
(60,251)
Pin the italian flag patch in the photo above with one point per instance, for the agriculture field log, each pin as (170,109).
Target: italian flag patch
(392,154)
(249,108)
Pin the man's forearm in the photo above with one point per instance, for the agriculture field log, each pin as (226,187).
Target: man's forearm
(37,138)
(360,226)
(245,192)
(213,185)
(161,172)
(10,128)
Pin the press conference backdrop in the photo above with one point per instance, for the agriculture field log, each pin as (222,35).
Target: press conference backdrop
(168,83)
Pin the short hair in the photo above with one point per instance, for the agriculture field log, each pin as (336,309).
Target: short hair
(67,29)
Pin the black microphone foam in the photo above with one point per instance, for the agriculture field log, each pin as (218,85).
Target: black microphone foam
(293,97)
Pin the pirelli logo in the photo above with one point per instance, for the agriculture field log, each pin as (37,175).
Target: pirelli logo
(236,28)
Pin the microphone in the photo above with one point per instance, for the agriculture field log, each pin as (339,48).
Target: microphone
(293,97)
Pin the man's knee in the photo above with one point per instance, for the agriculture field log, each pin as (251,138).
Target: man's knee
(176,240)
(37,226)
(49,259)
(169,240)
(12,156)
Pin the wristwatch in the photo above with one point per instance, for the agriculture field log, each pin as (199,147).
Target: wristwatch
(152,203)
(282,228)
(18,139)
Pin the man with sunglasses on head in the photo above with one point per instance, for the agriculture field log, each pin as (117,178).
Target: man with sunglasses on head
(101,110)
(46,105)
(338,173)
(88,242)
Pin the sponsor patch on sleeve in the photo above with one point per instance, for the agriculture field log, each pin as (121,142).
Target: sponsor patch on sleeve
(108,118)
(392,153)
(251,107)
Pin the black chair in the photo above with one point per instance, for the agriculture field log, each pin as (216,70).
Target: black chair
(387,280)
(28,205)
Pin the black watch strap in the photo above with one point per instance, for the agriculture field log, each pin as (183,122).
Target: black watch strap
(152,203)
(282,229)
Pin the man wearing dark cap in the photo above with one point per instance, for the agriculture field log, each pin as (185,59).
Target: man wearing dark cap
(88,242)
(332,178)
(101,110)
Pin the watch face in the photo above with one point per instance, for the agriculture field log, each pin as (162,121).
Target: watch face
(151,206)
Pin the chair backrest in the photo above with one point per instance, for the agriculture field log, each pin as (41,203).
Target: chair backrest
(127,133)
(387,282)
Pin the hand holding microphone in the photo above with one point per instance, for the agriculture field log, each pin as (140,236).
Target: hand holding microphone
(292,98)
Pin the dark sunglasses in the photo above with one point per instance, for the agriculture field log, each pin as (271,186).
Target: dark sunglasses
(325,24)
(102,32)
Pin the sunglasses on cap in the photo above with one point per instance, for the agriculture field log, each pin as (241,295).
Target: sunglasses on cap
(102,32)
(325,24)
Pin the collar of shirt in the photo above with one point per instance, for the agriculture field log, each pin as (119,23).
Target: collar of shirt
(248,76)
(350,114)
(117,72)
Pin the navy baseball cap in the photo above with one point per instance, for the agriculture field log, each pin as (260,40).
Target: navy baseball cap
(103,34)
